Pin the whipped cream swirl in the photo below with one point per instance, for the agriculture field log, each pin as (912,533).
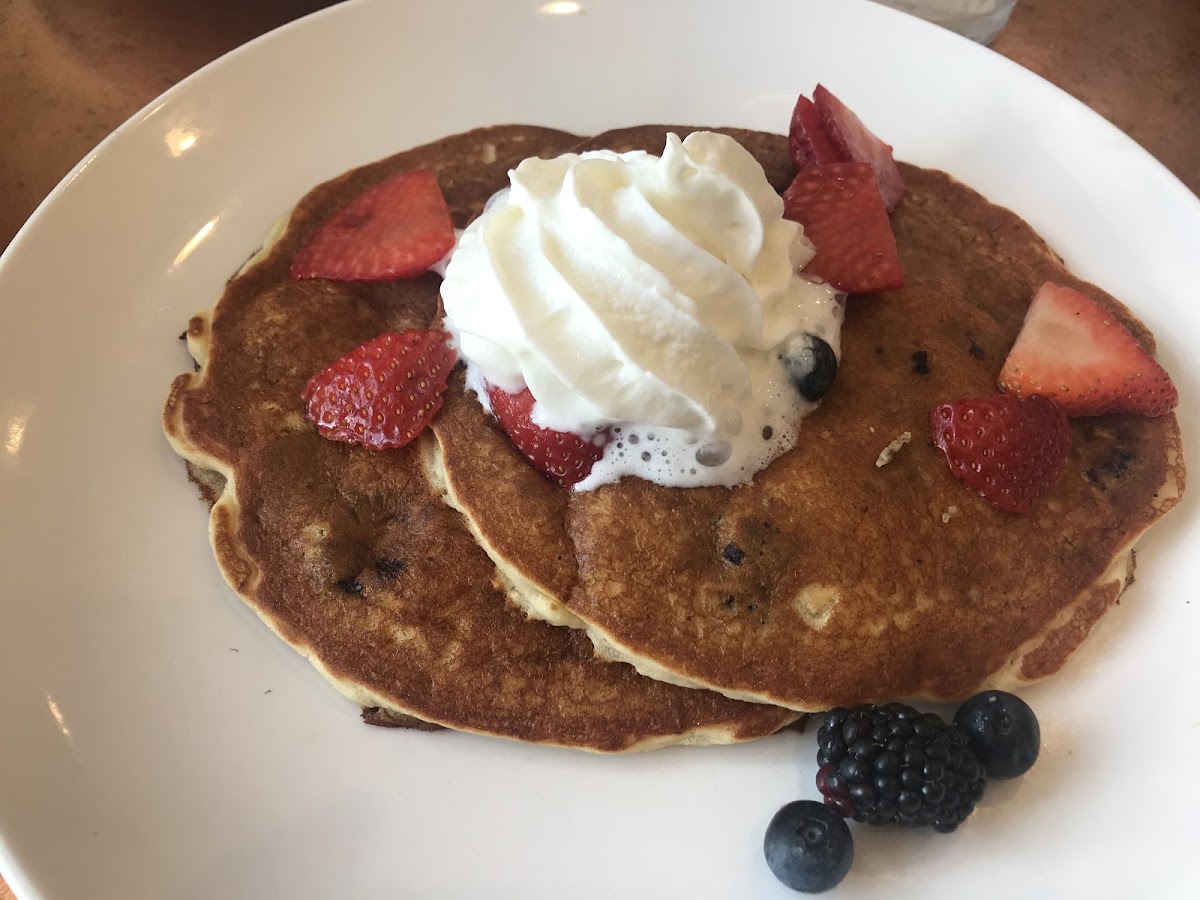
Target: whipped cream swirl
(631,288)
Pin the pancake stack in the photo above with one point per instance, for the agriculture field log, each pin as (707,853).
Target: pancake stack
(414,579)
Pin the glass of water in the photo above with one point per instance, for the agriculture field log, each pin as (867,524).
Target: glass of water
(980,20)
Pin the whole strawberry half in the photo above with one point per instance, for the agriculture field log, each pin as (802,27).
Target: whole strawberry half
(1071,349)
(396,229)
(825,130)
(384,392)
(561,456)
(842,212)
(1010,449)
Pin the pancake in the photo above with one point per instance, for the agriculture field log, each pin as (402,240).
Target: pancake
(833,579)
(350,555)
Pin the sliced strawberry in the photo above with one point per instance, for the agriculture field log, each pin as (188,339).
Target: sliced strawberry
(561,456)
(384,392)
(1009,449)
(396,229)
(1072,350)
(807,140)
(857,143)
(842,213)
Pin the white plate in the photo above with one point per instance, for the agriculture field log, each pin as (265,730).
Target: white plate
(159,742)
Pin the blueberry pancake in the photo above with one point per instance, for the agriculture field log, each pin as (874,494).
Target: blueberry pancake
(842,573)
(349,554)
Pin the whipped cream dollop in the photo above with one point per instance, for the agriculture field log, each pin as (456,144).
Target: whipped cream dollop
(653,294)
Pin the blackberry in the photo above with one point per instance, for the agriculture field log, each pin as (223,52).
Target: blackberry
(891,764)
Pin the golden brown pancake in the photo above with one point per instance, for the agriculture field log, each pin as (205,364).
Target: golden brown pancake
(832,580)
(349,554)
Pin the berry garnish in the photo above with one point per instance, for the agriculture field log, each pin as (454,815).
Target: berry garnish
(856,142)
(396,229)
(561,456)
(891,764)
(824,131)
(807,141)
(811,365)
(384,392)
(808,847)
(1010,450)
(1002,732)
(842,212)
(1073,351)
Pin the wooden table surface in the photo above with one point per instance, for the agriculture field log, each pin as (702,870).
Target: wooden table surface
(72,70)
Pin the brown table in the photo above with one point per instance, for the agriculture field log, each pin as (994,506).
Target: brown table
(72,70)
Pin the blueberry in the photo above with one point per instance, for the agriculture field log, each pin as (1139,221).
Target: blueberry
(1002,732)
(808,846)
(811,365)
